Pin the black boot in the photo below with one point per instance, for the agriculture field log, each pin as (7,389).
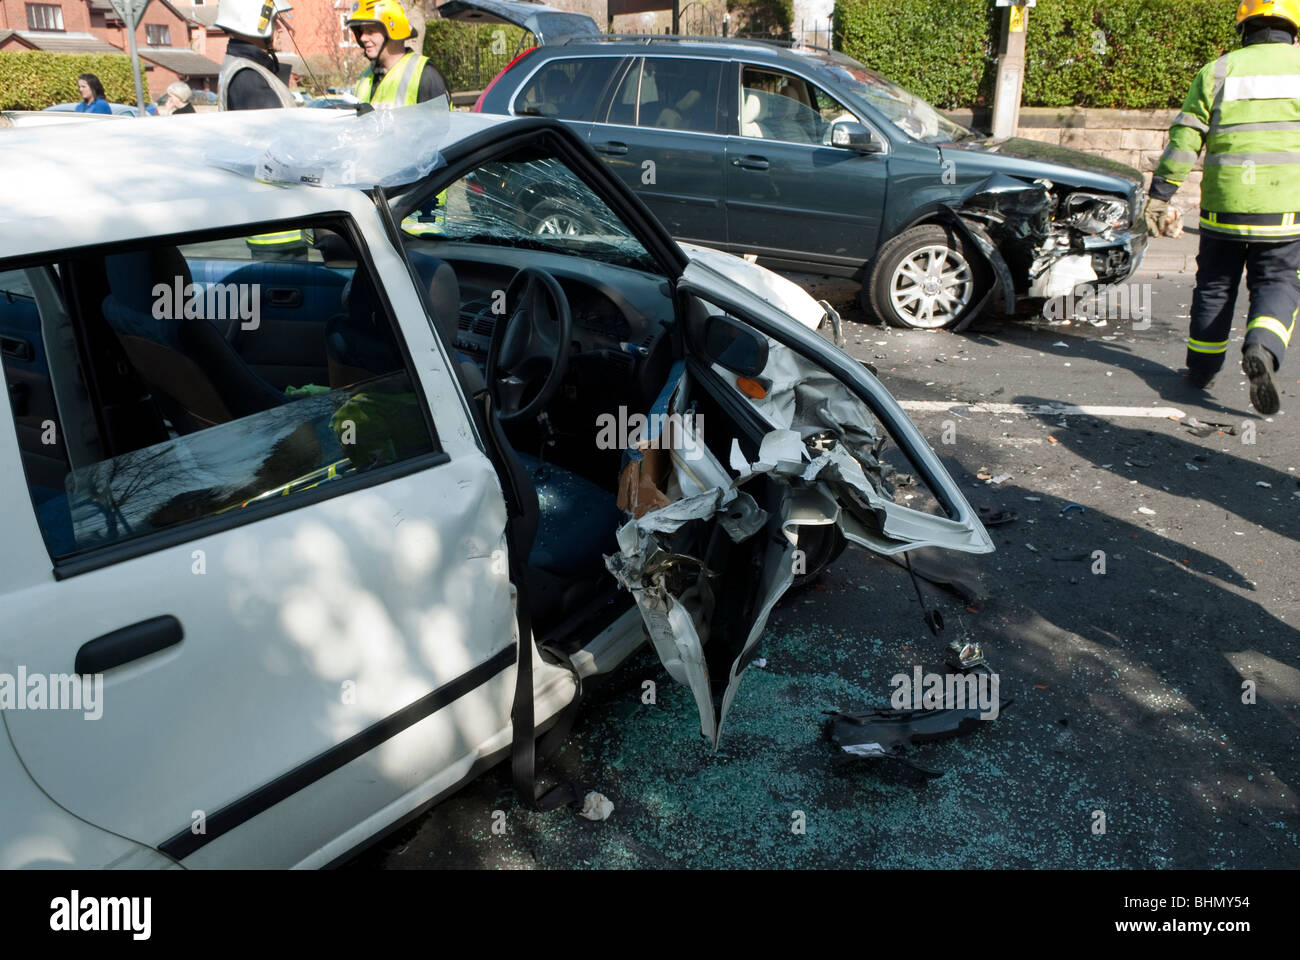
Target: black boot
(1201,379)
(1257,365)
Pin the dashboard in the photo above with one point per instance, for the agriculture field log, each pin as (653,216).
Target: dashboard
(621,317)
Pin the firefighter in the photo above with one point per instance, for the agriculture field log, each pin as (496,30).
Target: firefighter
(251,76)
(397,76)
(1243,109)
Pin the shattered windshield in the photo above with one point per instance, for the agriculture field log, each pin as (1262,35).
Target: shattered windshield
(531,204)
(905,110)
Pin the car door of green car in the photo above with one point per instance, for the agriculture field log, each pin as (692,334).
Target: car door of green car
(661,136)
(791,197)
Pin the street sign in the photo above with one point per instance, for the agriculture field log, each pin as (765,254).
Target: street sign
(131,11)
(135,9)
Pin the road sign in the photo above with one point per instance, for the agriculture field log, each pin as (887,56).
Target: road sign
(134,8)
(131,11)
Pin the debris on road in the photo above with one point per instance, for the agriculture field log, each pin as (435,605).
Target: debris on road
(596,806)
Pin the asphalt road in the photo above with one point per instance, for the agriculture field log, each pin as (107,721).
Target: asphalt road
(1129,711)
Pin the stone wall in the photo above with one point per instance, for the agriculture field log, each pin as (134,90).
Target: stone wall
(1134,137)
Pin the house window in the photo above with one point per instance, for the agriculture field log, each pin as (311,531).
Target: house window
(44,16)
(349,39)
(157,35)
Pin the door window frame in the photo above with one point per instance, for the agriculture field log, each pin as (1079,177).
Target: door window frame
(640,60)
(739,77)
(615,78)
(96,558)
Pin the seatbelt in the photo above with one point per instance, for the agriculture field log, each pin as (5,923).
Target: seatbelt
(525,748)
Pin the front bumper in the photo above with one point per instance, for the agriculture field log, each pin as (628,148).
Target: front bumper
(1117,257)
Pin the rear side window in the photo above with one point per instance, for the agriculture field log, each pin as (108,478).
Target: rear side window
(669,93)
(566,89)
(153,387)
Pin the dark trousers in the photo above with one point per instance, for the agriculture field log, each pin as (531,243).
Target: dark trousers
(1273,279)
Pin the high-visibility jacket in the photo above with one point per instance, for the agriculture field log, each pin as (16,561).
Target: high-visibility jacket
(399,87)
(1244,110)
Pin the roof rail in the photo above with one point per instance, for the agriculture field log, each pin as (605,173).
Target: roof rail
(651,37)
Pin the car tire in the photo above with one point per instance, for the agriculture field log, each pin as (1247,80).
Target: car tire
(550,218)
(926,278)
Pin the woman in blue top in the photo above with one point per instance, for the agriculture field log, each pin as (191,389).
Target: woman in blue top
(92,95)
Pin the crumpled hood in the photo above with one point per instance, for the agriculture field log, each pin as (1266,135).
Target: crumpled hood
(1125,177)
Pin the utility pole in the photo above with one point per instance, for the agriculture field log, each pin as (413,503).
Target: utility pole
(1011,68)
(131,11)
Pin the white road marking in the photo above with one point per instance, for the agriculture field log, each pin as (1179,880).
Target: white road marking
(1038,409)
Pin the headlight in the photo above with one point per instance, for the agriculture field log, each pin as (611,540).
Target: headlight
(1093,213)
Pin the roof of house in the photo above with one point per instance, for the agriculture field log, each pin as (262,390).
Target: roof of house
(66,42)
(6,34)
(181,60)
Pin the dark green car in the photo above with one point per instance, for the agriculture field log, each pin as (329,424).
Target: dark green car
(814,163)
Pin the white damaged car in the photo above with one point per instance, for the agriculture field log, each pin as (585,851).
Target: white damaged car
(307,428)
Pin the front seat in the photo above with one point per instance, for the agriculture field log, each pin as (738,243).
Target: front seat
(574,519)
(196,375)
(749,112)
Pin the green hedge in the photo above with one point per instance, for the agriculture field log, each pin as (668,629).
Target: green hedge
(1135,54)
(938,49)
(32,80)
(469,55)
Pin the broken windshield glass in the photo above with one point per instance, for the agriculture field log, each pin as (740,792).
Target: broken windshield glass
(534,204)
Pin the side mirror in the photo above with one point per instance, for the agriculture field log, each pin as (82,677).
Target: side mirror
(735,346)
(854,136)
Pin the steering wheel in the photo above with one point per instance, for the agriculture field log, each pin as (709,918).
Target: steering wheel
(529,352)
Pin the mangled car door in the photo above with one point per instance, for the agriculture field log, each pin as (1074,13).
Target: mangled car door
(765,436)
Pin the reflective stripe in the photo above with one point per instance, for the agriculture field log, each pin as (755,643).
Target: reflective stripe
(1241,159)
(1273,326)
(1216,95)
(1202,346)
(412,65)
(1251,229)
(1187,120)
(1276,87)
(1174,155)
(1230,128)
(284,236)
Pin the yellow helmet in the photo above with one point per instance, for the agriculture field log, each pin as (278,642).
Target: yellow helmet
(387,13)
(1284,9)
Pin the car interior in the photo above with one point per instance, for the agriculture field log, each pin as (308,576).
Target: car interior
(173,381)
(562,329)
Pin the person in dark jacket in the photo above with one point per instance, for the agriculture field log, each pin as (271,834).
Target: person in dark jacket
(92,95)
(177,100)
(251,76)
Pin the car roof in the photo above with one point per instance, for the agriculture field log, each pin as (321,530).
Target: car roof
(98,175)
(630,45)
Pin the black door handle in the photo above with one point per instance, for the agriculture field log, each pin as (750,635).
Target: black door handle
(285,297)
(750,162)
(612,148)
(129,643)
(18,349)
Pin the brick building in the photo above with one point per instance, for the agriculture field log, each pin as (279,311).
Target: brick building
(92,26)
